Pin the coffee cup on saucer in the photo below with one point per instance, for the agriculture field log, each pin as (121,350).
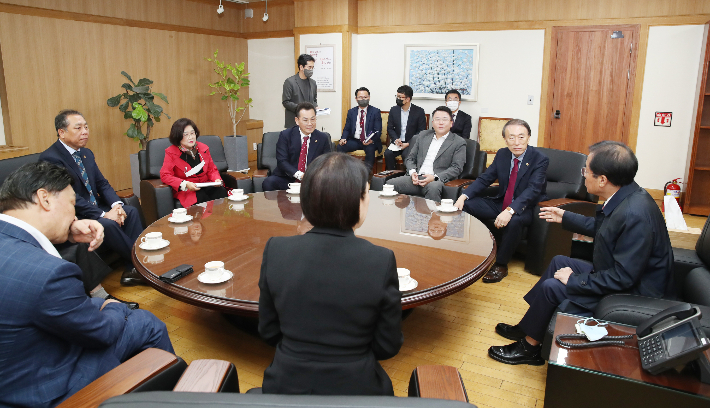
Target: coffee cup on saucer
(294,187)
(179,213)
(447,203)
(236,192)
(404,277)
(214,270)
(152,239)
(388,189)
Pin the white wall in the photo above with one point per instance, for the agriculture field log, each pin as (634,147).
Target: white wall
(670,84)
(510,69)
(333,100)
(270,62)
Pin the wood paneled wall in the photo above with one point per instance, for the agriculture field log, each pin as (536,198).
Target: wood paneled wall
(318,13)
(51,64)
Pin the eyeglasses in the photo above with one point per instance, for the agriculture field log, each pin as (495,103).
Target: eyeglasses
(441,120)
(188,134)
(584,173)
(307,121)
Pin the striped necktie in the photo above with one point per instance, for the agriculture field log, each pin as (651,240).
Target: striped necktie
(84,176)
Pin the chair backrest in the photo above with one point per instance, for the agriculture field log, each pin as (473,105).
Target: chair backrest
(7,166)
(214,143)
(489,135)
(236,150)
(702,247)
(469,168)
(155,155)
(384,137)
(268,151)
(564,174)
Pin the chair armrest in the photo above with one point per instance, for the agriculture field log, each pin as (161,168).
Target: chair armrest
(459,183)
(124,194)
(208,376)
(156,199)
(123,379)
(437,381)
(261,173)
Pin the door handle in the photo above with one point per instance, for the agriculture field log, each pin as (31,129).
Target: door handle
(557,114)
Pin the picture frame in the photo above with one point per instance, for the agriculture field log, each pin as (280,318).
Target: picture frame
(432,70)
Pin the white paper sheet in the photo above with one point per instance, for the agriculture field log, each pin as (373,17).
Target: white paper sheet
(210,184)
(394,147)
(674,216)
(324,111)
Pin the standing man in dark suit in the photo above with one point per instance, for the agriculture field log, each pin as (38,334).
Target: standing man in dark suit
(405,121)
(462,120)
(632,254)
(521,173)
(299,88)
(95,198)
(297,147)
(437,157)
(363,127)
(56,340)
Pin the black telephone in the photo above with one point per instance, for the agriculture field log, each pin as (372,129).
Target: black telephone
(667,344)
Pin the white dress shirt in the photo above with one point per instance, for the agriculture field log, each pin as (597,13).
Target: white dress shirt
(428,165)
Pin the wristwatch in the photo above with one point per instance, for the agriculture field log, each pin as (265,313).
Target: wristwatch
(436,178)
(510,210)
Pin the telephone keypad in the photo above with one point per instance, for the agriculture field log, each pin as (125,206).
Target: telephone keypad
(651,350)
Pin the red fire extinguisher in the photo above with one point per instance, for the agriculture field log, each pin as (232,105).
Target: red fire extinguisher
(672,188)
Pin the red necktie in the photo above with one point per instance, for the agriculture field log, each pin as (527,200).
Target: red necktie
(511,185)
(304,153)
(362,125)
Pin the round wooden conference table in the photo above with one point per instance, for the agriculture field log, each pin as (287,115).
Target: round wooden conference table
(445,252)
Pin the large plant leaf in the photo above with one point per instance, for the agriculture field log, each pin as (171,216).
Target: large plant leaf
(139,113)
(147,96)
(123,106)
(154,109)
(133,98)
(127,86)
(141,89)
(127,76)
(133,132)
(144,82)
(161,96)
(114,101)
(128,115)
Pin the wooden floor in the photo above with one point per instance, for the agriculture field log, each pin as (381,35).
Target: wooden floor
(455,331)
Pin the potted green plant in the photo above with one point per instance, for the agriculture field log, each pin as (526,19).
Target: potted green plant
(232,79)
(139,106)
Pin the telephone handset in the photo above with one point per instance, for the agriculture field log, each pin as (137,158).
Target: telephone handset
(665,344)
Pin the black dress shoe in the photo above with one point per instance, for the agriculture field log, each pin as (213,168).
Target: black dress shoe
(131,305)
(496,274)
(132,278)
(510,332)
(519,352)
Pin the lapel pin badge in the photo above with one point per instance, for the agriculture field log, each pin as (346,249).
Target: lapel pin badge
(527,164)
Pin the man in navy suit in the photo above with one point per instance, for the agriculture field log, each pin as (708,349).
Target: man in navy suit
(404,122)
(521,174)
(95,198)
(297,147)
(462,120)
(363,127)
(55,339)
(632,254)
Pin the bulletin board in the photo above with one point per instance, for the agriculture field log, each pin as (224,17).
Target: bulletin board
(324,68)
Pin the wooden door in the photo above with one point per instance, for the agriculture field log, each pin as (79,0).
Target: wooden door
(591,84)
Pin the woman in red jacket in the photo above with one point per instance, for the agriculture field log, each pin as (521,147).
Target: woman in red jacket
(188,162)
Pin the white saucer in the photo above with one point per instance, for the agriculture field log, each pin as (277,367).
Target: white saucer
(441,208)
(383,194)
(412,285)
(180,220)
(162,245)
(226,275)
(291,191)
(238,198)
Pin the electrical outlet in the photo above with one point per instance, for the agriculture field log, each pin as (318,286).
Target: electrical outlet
(530,99)
(254,146)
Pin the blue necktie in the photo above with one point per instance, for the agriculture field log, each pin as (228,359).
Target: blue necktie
(84,176)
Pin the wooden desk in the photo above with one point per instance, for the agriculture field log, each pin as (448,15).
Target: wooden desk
(236,233)
(612,376)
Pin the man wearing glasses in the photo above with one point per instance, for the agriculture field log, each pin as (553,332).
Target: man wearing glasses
(363,127)
(521,173)
(297,147)
(437,157)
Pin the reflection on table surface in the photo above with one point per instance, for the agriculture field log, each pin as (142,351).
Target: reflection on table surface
(440,249)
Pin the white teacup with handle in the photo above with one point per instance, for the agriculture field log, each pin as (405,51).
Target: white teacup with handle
(214,270)
(179,213)
(152,239)
(388,189)
(405,279)
(447,203)
(294,187)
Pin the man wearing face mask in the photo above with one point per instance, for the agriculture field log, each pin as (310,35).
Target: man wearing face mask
(462,120)
(363,127)
(405,121)
(299,88)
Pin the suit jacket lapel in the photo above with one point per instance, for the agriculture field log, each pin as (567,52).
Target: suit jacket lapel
(315,145)
(69,160)
(447,143)
(425,143)
(525,164)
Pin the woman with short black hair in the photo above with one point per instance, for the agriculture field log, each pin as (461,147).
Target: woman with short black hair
(188,162)
(330,301)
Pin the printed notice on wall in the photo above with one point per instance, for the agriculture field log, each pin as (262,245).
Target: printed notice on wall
(663,119)
(324,69)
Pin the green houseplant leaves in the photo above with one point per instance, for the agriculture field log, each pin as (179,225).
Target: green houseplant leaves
(228,87)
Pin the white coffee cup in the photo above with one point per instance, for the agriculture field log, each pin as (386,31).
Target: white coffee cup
(214,269)
(180,213)
(388,189)
(236,207)
(294,200)
(404,277)
(294,187)
(237,192)
(447,203)
(152,239)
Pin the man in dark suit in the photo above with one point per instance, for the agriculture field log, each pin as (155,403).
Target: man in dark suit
(95,198)
(437,157)
(299,88)
(363,127)
(405,121)
(56,340)
(632,253)
(297,147)
(521,174)
(462,120)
